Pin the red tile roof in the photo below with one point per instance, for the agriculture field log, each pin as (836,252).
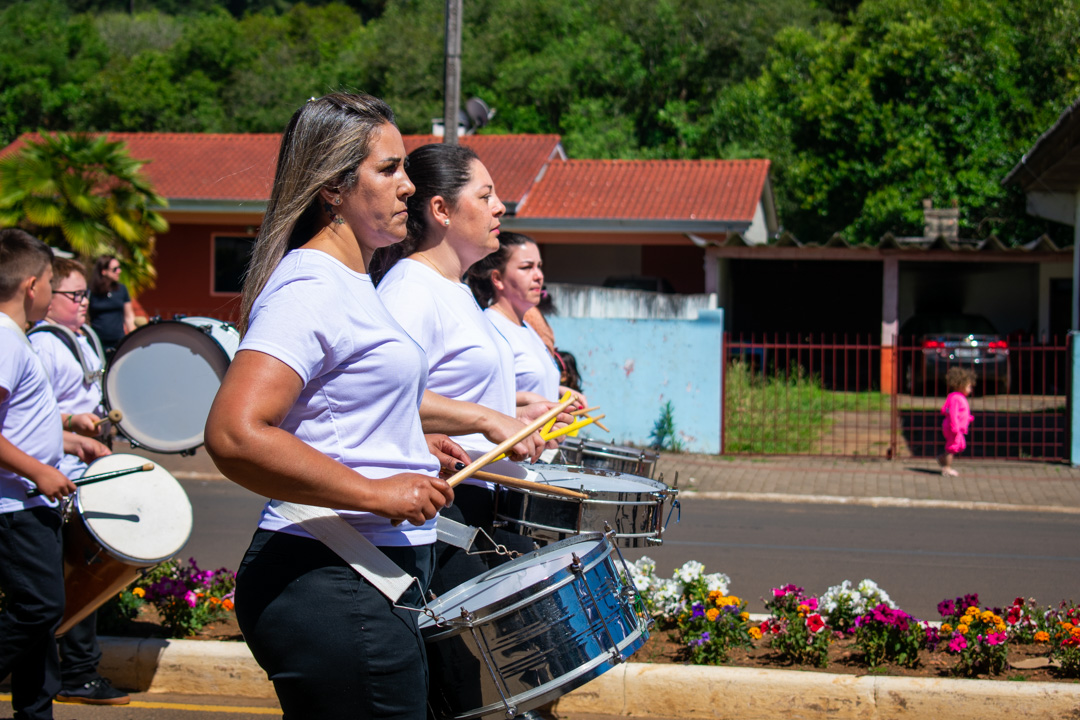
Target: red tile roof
(514,161)
(240,167)
(202,166)
(700,190)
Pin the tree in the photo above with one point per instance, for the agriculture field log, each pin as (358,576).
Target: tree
(85,194)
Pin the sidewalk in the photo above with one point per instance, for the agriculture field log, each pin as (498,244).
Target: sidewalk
(1041,487)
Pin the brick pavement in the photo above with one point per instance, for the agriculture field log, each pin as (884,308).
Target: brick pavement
(988,484)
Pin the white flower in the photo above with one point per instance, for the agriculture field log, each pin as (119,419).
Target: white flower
(690,571)
(717,581)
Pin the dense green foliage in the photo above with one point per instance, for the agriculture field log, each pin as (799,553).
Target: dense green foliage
(864,108)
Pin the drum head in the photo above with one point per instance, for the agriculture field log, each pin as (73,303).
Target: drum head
(573,477)
(163,378)
(143,518)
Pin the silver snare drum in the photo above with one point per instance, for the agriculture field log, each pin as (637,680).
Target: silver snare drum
(631,506)
(532,630)
(594,454)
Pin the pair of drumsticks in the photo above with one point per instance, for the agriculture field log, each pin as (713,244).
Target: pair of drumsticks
(544,423)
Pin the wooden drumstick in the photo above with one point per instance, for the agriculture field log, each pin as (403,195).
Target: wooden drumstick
(503,447)
(114,416)
(584,411)
(90,479)
(529,485)
(601,425)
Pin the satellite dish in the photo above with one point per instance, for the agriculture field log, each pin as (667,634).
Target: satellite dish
(478,112)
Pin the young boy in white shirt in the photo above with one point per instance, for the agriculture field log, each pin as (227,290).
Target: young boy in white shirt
(32,442)
(71,356)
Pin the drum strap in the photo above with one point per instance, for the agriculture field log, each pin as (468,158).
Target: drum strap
(360,553)
(9,323)
(454,533)
(72,342)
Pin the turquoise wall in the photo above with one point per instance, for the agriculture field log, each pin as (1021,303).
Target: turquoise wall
(630,368)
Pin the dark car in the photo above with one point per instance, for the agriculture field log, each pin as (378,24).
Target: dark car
(944,340)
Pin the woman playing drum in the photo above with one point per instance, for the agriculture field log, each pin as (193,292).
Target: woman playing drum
(508,283)
(453,222)
(319,407)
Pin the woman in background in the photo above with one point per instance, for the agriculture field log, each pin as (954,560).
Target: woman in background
(508,283)
(111,313)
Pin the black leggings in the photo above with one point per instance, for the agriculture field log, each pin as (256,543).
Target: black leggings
(332,644)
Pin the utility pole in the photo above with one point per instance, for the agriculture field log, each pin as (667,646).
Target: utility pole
(452,99)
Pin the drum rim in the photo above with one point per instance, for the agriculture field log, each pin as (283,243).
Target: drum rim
(602,547)
(657,485)
(109,549)
(109,369)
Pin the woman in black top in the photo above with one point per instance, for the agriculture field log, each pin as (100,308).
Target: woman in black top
(111,313)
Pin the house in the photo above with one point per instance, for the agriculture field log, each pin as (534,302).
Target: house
(593,218)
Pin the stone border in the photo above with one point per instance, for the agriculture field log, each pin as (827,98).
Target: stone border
(643,690)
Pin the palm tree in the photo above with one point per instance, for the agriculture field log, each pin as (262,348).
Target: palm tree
(85,194)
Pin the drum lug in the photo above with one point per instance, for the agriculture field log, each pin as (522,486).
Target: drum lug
(189,452)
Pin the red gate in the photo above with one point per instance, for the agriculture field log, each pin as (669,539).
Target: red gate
(804,395)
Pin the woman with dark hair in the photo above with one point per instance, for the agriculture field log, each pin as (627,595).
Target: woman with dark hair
(454,222)
(321,408)
(112,315)
(508,283)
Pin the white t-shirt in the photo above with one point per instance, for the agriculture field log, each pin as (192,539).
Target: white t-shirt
(363,380)
(534,369)
(468,359)
(29,415)
(73,394)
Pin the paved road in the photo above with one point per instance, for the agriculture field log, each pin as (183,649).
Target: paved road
(145,706)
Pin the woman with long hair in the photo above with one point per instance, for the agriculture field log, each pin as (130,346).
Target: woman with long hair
(321,406)
(454,219)
(111,313)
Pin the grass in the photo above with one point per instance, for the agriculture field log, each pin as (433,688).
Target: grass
(773,413)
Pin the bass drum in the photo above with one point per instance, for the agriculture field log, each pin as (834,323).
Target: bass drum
(595,454)
(118,527)
(164,377)
(632,507)
(532,630)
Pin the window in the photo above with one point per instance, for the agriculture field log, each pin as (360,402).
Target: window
(231,255)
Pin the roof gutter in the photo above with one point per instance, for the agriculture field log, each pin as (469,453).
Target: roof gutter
(606,225)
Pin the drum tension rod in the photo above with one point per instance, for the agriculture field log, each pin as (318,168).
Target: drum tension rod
(577,567)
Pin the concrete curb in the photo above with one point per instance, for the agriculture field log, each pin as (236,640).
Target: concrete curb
(679,692)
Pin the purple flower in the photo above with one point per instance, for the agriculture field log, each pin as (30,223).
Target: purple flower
(946,608)
(698,611)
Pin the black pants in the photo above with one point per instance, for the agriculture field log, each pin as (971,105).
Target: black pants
(332,644)
(80,653)
(32,578)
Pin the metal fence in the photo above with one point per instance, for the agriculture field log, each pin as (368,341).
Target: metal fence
(849,396)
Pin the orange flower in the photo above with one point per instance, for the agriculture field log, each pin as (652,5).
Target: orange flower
(755,633)
(227,604)
(1042,636)
(138,592)
(962,629)
(712,614)
(946,628)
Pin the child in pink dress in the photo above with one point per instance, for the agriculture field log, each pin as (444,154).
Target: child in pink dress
(960,383)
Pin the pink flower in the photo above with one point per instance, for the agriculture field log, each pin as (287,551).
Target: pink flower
(957,644)
(995,638)
(812,603)
(190,598)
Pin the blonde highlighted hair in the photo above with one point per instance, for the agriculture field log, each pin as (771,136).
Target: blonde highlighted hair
(322,146)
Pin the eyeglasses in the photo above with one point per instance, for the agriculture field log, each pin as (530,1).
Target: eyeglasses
(75,296)
(114,268)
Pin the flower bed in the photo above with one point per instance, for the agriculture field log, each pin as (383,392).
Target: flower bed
(854,629)
(173,600)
